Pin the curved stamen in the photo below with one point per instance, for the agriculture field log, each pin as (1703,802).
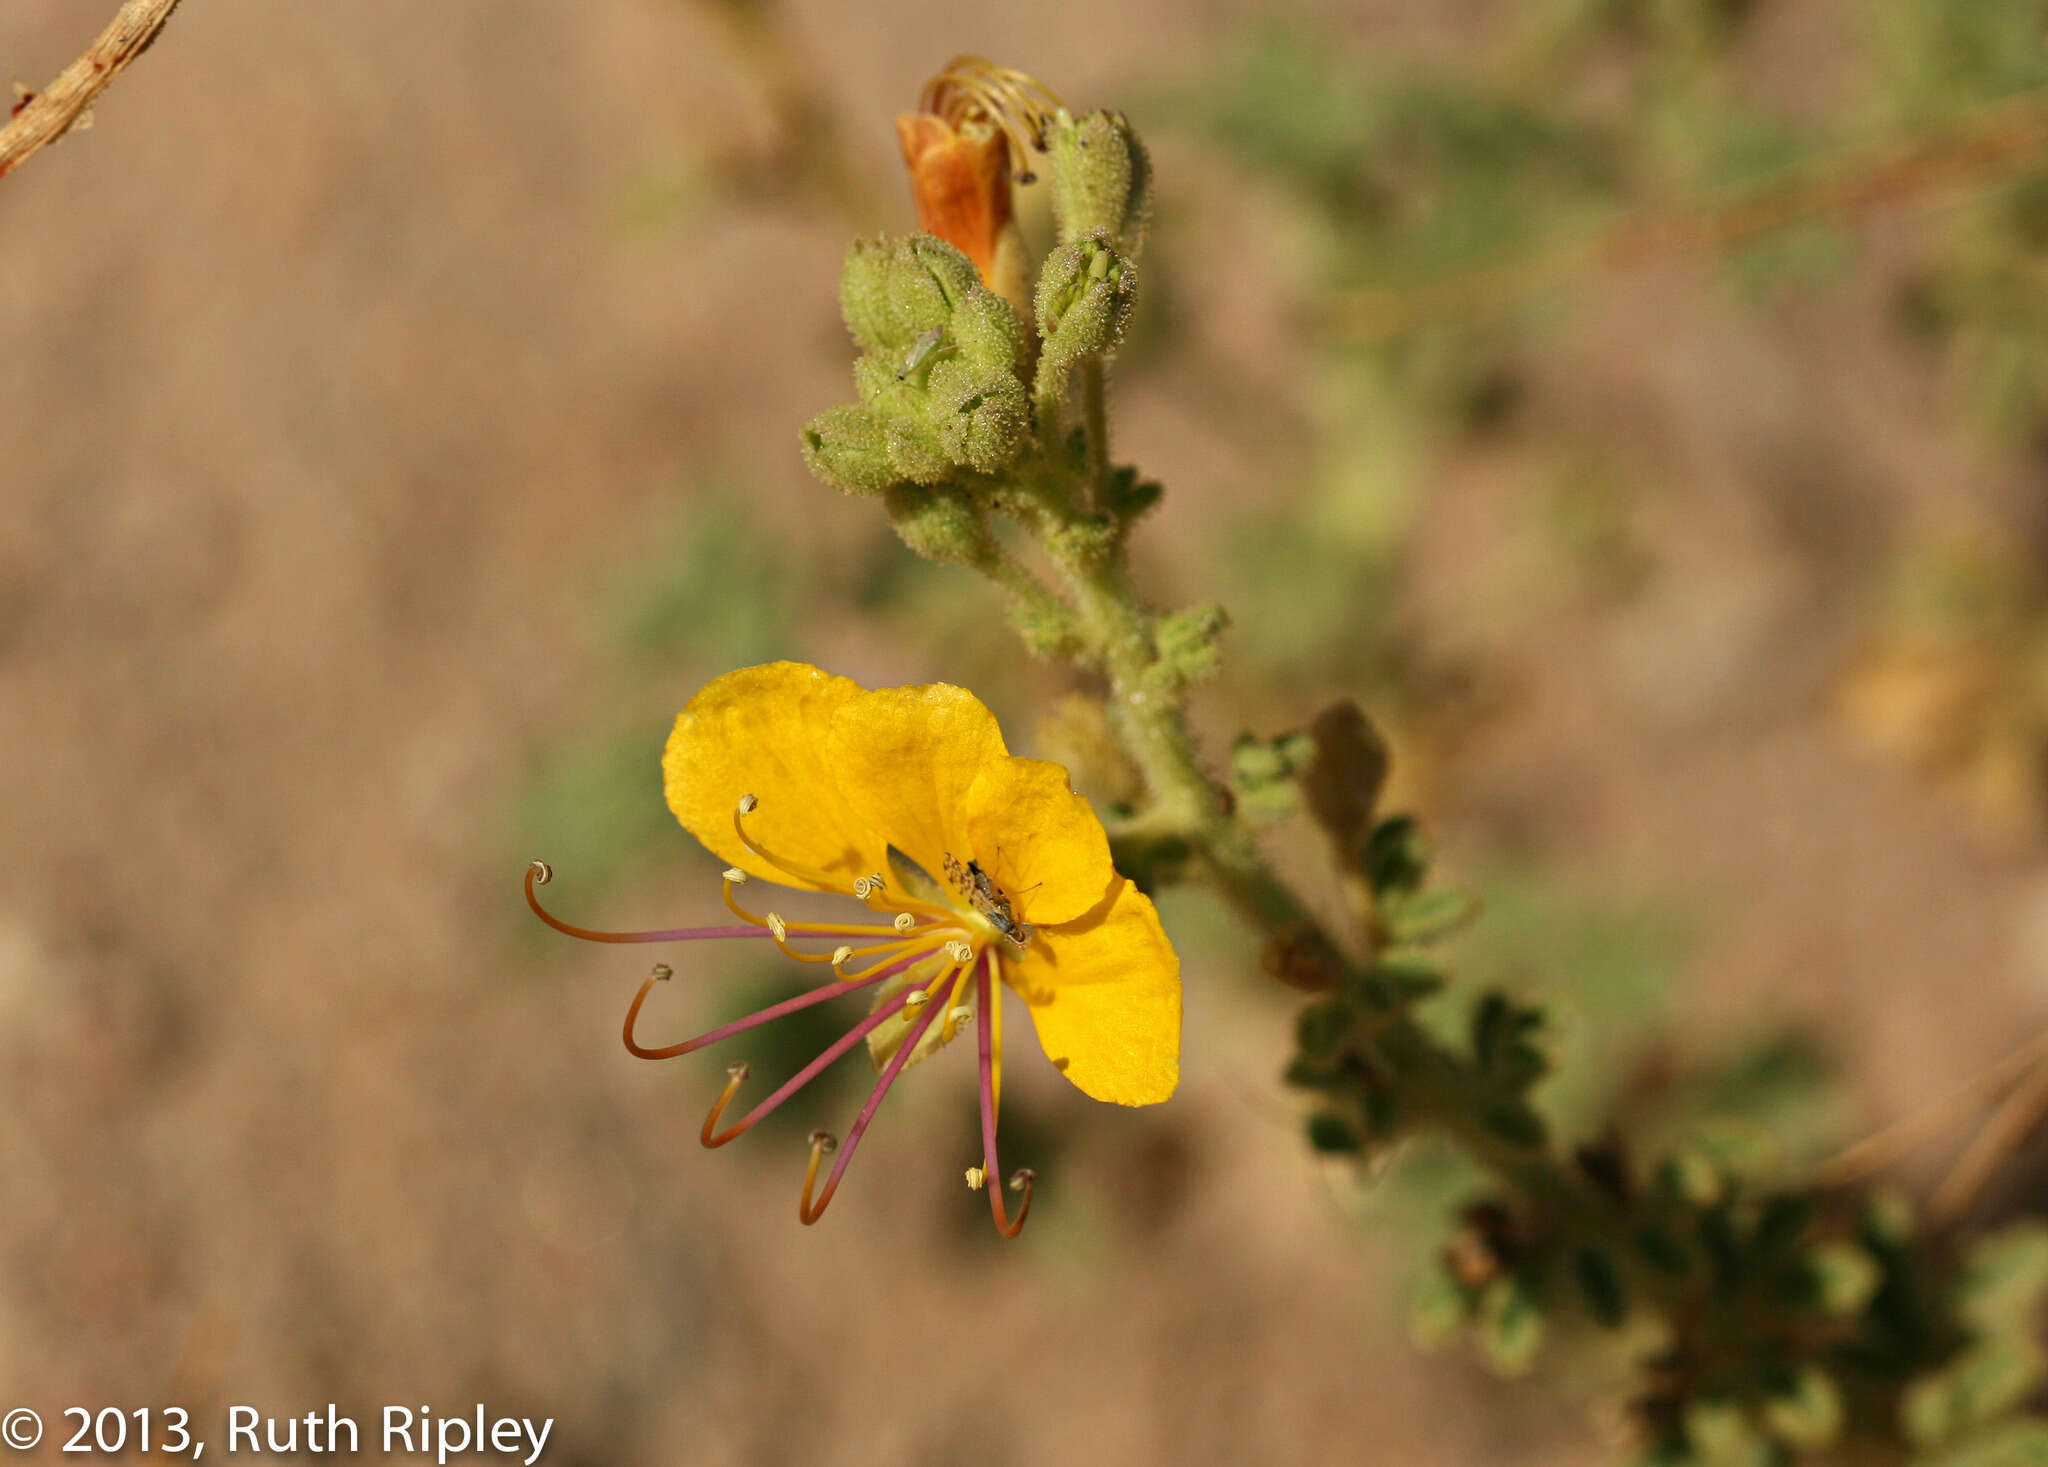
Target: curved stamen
(540,874)
(990,1166)
(1019,104)
(781,932)
(736,877)
(753,1021)
(923,954)
(809,1212)
(822,880)
(711,1136)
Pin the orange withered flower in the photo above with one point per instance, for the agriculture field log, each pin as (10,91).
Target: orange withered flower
(973,134)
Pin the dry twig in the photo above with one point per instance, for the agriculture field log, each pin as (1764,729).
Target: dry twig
(43,117)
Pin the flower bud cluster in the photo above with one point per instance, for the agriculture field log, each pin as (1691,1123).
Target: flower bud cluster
(961,403)
(937,378)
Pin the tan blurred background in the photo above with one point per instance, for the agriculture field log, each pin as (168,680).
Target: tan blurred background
(397,413)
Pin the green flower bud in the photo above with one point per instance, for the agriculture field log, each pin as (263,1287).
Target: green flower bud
(1101,180)
(940,522)
(893,291)
(1085,294)
(848,447)
(981,418)
(989,334)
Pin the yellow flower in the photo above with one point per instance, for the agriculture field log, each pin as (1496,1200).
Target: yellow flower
(988,868)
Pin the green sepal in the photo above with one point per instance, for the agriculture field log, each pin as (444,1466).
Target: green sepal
(940,522)
(895,289)
(848,447)
(1086,293)
(981,417)
(1101,179)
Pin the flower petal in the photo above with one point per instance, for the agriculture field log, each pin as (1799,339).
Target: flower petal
(1038,840)
(763,731)
(1104,993)
(905,759)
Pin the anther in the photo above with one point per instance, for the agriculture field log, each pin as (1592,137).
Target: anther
(917,998)
(824,1142)
(960,952)
(904,921)
(738,1070)
(736,876)
(662,972)
(862,886)
(779,927)
(748,804)
(840,954)
(543,873)
(1021,1179)
(956,1017)
(975,1177)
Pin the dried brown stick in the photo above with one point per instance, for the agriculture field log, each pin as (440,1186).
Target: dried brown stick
(1877,1151)
(45,116)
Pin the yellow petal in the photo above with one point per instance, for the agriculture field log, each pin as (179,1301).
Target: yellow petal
(762,731)
(1038,840)
(1104,993)
(905,759)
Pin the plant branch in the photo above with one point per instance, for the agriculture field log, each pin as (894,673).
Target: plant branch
(2007,135)
(45,116)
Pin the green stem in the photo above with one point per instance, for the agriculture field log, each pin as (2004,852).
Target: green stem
(1152,726)
(1095,424)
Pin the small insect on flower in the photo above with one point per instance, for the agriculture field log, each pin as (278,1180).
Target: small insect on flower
(988,899)
(810,781)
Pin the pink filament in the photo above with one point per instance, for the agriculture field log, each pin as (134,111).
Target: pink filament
(985,1001)
(765,1016)
(809,1213)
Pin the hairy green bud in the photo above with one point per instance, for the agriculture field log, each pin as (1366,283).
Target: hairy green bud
(938,377)
(1101,180)
(848,447)
(1085,294)
(981,418)
(940,522)
(894,290)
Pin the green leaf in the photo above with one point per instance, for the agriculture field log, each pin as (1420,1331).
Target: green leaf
(1438,1311)
(1428,916)
(1511,1327)
(1807,1414)
(2004,1278)
(1396,857)
(1600,1286)
(1843,1278)
(1334,1134)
